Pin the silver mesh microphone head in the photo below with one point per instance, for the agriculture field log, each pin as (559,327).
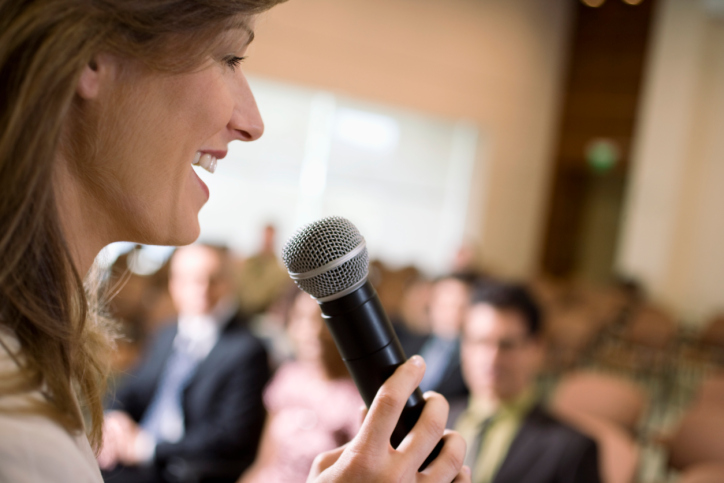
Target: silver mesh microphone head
(327,258)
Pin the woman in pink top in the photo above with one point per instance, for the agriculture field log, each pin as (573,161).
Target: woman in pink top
(313,404)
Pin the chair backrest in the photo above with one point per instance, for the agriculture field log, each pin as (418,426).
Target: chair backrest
(713,332)
(618,453)
(711,392)
(697,439)
(568,334)
(706,473)
(651,327)
(602,396)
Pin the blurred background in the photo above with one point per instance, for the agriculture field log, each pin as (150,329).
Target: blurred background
(572,144)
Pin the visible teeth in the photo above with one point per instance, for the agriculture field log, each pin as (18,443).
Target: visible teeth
(206,161)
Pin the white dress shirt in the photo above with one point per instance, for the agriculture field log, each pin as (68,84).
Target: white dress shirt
(197,334)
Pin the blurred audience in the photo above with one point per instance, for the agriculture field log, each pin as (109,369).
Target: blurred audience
(510,436)
(260,279)
(441,348)
(313,404)
(411,321)
(192,409)
(415,306)
(140,304)
(271,327)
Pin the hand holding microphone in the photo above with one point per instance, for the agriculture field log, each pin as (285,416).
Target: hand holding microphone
(328,260)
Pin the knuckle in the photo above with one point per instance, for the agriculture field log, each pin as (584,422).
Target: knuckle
(458,447)
(388,399)
(398,474)
(454,461)
(434,428)
(359,463)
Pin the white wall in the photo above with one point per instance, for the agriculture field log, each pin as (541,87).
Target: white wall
(497,63)
(673,234)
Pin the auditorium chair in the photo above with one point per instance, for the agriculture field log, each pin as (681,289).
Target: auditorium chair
(697,439)
(705,473)
(585,394)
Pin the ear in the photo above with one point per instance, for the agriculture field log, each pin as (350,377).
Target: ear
(96,72)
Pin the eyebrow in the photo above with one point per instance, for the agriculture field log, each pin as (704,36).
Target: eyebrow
(249,31)
(251,36)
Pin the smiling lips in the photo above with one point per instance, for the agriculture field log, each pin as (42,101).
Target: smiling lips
(206,161)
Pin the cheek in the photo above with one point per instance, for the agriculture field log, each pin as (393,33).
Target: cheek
(476,364)
(208,106)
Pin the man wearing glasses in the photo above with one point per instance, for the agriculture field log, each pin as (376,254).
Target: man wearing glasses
(510,436)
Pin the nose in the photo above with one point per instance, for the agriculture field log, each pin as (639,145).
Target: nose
(246,123)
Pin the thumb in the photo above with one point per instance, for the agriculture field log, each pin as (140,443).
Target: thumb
(324,461)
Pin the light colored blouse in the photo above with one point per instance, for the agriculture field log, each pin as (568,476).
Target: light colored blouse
(309,414)
(34,448)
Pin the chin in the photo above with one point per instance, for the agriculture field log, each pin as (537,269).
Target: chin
(179,235)
(185,233)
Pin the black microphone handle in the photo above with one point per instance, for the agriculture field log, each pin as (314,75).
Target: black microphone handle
(371,351)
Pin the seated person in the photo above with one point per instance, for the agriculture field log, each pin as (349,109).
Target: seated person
(313,404)
(510,437)
(193,408)
(441,349)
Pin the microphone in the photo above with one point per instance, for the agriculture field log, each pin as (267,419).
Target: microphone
(328,260)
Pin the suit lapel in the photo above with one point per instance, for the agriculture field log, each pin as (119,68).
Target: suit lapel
(522,453)
(162,349)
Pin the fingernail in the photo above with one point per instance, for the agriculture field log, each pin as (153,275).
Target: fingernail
(417,360)
(466,470)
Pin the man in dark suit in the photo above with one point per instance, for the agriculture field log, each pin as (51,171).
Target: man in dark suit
(441,349)
(510,436)
(192,410)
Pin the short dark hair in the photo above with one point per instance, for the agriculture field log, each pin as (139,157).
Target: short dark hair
(509,296)
(465,278)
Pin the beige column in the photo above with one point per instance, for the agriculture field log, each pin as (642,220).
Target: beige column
(673,233)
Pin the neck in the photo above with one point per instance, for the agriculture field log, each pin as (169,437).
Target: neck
(81,221)
(497,399)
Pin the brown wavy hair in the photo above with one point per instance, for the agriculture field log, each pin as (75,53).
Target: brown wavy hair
(44,46)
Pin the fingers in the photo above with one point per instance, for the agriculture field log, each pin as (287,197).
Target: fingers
(362,414)
(107,458)
(465,475)
(324,461)
(389,402)
(428,430)
(448,466)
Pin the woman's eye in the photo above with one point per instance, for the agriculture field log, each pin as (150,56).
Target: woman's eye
(234,61)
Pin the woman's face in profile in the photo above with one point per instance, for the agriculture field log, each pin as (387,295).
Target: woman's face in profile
(152,127)
(306,327)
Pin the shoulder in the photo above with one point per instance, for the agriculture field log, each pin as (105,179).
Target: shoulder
(559,431)
(34,448)
(237,335)
(287,383)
